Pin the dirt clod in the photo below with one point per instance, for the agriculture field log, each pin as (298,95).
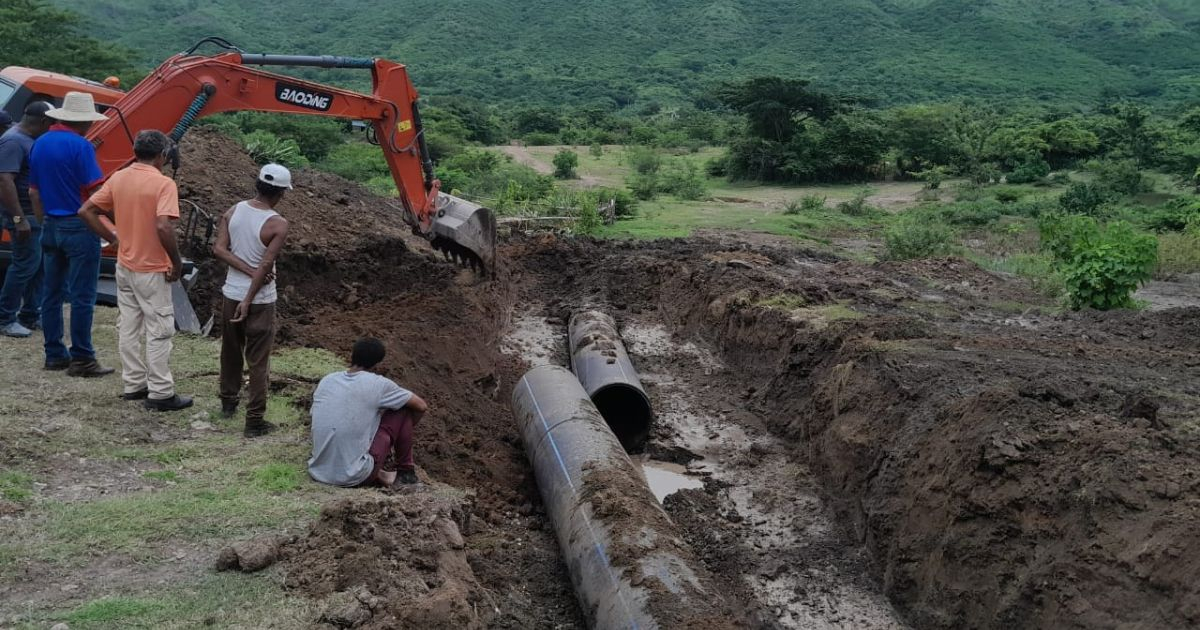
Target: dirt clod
(250,555)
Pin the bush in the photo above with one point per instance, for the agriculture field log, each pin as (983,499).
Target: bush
(805,204)
(857,206)
(626,202)
(1120,176)
(1030,171)
(596,150)
(717,166)
(970,214)
(265,147)
(565,163)
(1008,196)
(644,186)
(644,160)
(1102,265)
(589,221)
(357,161)
(542,139)
(1084,198)
(913,237)
(682,178)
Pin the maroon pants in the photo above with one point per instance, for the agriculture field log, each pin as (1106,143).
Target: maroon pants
(395,435)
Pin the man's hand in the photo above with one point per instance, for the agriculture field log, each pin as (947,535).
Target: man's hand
(240,313)
(23,231)
(175,272)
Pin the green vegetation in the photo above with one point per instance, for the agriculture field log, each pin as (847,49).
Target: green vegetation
(565,163)
(35,34)
(652,57)
(915,237)
(15,486)
(1102,264)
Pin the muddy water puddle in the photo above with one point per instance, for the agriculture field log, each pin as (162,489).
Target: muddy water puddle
(666,478)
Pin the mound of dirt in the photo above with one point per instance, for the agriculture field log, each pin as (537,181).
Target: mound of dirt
(391,561)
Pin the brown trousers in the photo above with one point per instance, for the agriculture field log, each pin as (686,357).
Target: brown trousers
(252,339)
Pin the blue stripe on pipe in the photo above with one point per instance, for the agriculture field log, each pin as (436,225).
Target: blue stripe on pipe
(587,521)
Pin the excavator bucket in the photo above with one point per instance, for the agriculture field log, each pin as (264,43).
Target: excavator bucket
(465,232)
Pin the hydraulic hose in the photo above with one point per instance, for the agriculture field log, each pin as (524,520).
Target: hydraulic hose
(193,111)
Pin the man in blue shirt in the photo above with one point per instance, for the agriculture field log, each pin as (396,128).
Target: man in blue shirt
(62,171)
(21,297)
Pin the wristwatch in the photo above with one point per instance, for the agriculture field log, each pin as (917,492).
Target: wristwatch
(18,219)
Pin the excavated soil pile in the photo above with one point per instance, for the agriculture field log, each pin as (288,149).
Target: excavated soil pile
(1006,468)
(392,561)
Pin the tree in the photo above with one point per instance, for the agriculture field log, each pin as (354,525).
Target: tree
(565,163)
(35,34)
(775,107)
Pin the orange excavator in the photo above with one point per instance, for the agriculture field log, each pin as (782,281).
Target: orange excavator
(189,86)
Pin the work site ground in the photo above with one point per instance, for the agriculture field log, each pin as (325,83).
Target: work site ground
(842,444)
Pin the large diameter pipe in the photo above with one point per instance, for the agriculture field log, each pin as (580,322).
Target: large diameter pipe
(628,566)
(602,365)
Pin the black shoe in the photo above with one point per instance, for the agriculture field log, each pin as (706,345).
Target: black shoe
(141,394)
(258,429)
(57,365)
(88,368)
(174,403)
(406,478)
(228,409)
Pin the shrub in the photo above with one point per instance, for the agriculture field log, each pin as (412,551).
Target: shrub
(588,221)
(565,163)
(717,166)
(968,191)
(1084,198)
(1059,179)
(357,161)
(1102,265)
(542,139)
(1032,170)
(264,147)
(1008,196)
(933,177)
(1120,176)
(644,186)
(857,206)
(682,178)
(914,237)
(805,204)
(596,150)
(644,160)
(970,214)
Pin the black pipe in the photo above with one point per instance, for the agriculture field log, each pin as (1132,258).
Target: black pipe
(599,360)
(629,566)
(314,61)
(422,146)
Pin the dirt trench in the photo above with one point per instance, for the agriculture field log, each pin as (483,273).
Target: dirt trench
(879,446)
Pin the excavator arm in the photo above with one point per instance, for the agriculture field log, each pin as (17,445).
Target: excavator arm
(187,87)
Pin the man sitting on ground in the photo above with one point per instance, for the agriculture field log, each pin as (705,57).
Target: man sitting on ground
(358,417)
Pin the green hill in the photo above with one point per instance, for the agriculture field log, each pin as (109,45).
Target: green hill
(637,52)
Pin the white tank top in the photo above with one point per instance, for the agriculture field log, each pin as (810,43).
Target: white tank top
(245,241)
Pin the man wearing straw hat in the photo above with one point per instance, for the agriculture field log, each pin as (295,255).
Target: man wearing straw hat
(62,170)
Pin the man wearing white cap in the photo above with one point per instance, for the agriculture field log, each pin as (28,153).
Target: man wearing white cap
(250,239)
(62,171)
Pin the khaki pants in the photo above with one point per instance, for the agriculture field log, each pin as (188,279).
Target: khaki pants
(250,339)
(145,327)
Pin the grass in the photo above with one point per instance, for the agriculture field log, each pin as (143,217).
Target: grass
(217,600)
(16,485)
(219,487)
(1178,254)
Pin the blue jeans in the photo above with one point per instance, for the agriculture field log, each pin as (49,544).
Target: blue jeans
(72,268)
(23,282)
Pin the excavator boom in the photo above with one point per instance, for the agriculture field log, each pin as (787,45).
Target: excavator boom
(188,86)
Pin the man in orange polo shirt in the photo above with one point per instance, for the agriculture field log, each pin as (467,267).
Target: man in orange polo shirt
(145,205)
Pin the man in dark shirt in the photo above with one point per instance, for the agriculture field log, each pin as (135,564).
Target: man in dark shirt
(62,172)
(20,299)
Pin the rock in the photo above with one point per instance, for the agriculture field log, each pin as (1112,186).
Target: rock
(738,264)
(249,556)
(351,615)
(201,425)
(60,626)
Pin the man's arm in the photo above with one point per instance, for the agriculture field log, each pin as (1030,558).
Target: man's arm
(35,200)
(417,404)
(165,226)
(8,194)
(90,213)
(276,228)
(221,247)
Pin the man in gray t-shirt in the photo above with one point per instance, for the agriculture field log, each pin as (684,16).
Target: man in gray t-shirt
(358,417)
(21,297)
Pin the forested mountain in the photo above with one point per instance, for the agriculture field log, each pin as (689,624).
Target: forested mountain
(638,53)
